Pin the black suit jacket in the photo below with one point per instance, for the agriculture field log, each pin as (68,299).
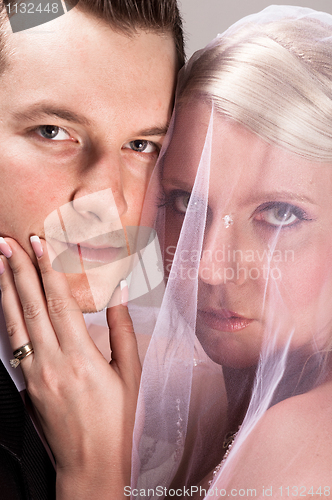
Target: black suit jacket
(26,472)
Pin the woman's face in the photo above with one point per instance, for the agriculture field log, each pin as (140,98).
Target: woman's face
(267,252)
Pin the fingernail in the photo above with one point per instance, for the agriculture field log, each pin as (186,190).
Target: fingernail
(5,248)
(37,246)
(124,292)
(2,267)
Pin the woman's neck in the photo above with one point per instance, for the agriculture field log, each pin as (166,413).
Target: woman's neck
(239,383)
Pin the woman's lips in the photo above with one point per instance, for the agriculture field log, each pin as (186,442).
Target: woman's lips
(223,320)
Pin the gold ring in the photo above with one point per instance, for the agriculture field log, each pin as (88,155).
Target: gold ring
(21,353)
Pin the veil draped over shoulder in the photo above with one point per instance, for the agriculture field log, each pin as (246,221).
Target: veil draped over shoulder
(238,367)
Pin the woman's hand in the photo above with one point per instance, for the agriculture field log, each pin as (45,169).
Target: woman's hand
(86,405)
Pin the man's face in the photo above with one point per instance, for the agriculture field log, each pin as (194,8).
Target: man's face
(84,109)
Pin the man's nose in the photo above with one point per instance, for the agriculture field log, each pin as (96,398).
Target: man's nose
(100,195)
(99,206)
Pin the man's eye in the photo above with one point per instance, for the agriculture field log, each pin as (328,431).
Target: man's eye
(52,132)
(280,214)
(142,146)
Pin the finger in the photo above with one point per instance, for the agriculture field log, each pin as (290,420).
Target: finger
(64,312)
(24,288)
(12,310)
(122,337)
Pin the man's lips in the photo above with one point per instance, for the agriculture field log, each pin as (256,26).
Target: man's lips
(90,253)
(223,320)
(101,255)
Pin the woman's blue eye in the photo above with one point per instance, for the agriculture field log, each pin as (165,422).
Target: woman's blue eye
(179,200)
(141,146)
(52,132)
(280,214)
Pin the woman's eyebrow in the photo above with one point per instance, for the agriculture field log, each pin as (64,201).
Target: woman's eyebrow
(284,195)
(174,182)
(37,111)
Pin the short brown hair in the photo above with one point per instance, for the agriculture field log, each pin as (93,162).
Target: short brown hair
(125,16)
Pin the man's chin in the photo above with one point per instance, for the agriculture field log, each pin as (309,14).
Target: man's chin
(88,302)
(89,306)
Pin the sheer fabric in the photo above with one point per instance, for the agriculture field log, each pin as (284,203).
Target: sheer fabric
(241,340)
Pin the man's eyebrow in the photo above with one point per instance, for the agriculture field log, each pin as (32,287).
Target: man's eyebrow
(39,111)
(160,131)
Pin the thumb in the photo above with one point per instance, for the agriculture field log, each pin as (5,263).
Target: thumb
(122,336)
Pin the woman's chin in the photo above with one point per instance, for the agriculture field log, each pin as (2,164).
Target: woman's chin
(227,350)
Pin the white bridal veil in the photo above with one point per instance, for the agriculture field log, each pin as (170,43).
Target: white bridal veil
(241,338)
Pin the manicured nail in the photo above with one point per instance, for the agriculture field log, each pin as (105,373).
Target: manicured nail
(5,248)
(2,267)
(37,246)
(124,292)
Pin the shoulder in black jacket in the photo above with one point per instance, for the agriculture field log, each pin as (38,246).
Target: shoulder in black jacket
(26,472)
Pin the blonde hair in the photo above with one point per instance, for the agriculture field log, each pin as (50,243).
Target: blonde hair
(273,78)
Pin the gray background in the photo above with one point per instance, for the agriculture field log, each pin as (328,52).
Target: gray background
(204,19)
